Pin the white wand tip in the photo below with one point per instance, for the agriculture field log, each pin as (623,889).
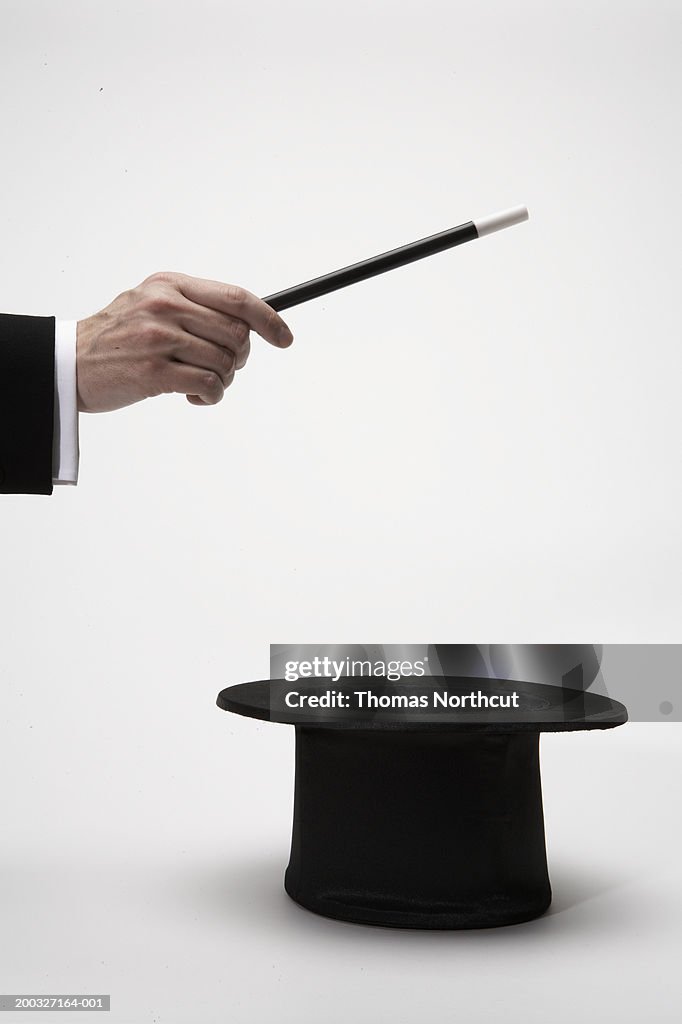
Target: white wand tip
(497,221)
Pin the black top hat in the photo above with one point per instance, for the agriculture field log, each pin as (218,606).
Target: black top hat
(423,807)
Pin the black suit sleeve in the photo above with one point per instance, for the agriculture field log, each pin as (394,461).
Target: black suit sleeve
(26,403)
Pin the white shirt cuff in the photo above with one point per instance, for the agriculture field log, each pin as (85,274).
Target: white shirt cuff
(65,453)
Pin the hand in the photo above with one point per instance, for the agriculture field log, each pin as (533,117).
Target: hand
(172,333)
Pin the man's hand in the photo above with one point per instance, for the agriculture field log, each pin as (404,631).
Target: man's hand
(172,333)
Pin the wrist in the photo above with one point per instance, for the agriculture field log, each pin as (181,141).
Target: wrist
(84,336)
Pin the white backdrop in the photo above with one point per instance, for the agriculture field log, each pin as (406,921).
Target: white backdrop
(483,446)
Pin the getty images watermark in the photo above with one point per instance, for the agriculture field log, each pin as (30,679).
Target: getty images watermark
(348,697)
(326,667)
(647,678)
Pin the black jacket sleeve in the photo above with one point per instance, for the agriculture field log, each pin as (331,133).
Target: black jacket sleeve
(26,403)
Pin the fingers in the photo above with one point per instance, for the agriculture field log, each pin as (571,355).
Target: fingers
(196,333)
(238,303)
(196,383)
(206,356)
(220,328)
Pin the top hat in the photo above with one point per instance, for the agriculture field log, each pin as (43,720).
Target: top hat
(423,808)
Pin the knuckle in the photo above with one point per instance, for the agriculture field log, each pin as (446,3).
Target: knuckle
(161,277)
(227,360)
(240,333)
(235,295)
(274,322)
(154,332)
(152,371)
(213,387)
(158,303)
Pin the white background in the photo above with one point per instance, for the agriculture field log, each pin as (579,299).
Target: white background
(483,446)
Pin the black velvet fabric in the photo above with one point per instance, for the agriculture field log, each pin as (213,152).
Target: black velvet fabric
(418,829)
(26,403)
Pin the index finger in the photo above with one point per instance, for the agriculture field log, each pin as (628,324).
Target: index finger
(240,303)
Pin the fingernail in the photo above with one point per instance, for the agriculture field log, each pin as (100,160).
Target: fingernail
(285,336)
